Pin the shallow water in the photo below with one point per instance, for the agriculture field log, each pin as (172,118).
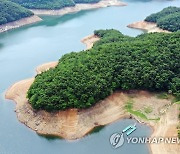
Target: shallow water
(21,50)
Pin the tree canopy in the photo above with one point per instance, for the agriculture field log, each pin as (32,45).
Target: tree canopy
(148,61)
(10,11)
(167,19)
(51,4)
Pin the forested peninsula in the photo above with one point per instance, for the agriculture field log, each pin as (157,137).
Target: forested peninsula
(148,62)
(167,20)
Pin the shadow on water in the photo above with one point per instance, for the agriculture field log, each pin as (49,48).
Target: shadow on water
(50,21)
(97,129)
(50,137)
(53,137)
(55,20)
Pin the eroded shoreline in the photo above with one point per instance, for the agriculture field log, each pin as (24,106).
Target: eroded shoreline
(79,7)
(74,124)
(147,26)
(70,124)
(19,23)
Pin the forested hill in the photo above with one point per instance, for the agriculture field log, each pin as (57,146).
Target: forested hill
(167,19)
(148,61)
(10,11)
(51,4)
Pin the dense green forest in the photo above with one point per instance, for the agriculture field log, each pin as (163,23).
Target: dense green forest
(167,19)
(10,11)
(51,4)
(116,62)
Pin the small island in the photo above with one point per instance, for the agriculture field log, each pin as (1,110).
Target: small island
(167,20)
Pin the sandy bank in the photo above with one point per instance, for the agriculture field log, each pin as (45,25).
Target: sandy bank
(90,40)
(19,23)
(147,26)
(79,7)
(46,66)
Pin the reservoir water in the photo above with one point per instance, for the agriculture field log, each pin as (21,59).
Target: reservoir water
(23,49)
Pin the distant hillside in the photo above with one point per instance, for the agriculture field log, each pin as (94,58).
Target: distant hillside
(167,19)
(51,4)
(10,11)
